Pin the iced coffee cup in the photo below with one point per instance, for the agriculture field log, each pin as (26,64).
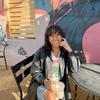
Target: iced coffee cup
(58,89)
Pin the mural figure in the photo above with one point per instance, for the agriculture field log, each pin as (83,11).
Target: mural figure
(74,17)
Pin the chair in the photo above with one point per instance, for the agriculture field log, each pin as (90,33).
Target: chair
(2,53)
(3,45)
(23,68)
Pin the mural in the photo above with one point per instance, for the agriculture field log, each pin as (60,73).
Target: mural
(76,17)
(80,20)
(2,21)
(2,10)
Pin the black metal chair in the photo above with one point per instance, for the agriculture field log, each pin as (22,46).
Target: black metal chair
(2,52)
(3,45)
(23,68)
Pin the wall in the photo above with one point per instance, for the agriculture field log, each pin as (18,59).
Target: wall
(80,20)
(30,45)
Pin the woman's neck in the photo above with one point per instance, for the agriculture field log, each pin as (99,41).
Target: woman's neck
(56,51)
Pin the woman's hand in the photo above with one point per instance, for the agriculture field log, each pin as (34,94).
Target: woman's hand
(65,44)
(48,84)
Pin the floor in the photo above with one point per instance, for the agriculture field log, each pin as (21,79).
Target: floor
(9,90)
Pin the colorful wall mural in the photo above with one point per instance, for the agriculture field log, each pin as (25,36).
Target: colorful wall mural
(3,20)
(2,10)
(80,20)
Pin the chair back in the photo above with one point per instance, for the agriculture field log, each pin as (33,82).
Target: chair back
(20,71)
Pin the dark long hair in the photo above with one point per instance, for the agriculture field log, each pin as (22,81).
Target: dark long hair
(53,29)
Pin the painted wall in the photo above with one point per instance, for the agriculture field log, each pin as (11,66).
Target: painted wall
(29,45)
(80,20)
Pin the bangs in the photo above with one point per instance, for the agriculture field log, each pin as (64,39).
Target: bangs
(54,30)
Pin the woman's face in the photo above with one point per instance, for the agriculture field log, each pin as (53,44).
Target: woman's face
(55,40)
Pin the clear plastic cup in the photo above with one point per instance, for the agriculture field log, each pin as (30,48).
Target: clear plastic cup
(58,89)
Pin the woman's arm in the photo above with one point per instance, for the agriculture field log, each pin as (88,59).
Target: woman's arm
(74,62)
(37,68)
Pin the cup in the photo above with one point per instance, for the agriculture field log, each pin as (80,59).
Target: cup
(58,89)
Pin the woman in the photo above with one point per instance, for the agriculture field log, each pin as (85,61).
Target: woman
(54,48)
